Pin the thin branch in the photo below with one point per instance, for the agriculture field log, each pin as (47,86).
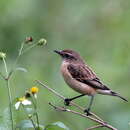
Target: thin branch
(62,97)
(95,118)
(83,115)
(94,127)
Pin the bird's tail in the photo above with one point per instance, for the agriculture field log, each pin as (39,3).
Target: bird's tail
(110,92)
(118,95)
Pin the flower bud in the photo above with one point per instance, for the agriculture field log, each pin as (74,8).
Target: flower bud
(34,89)
(27,94)
(30,115)
(42,42)
(28,40)
(2,55)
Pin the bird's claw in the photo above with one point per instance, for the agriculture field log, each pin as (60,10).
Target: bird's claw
(87,111)
(67,101)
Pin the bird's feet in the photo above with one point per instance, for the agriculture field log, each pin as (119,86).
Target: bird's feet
(87,111)
(67,101)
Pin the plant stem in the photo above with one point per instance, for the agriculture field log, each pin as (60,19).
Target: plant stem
(29,118)
(37,118)
(2,76)
(21,48)
(6,70)
(19,54)
(32,122)
(34,101)
(10,103)
(17,58)
(7,78)
(9,94)
(27,49)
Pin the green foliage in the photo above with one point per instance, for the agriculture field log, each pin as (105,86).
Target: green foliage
(29,98)
(99,30)
(5,120)
(25,125)
(56,126)
(21,69)
(28,101)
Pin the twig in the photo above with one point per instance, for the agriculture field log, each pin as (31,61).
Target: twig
(83,115)
(94,127)
(62,97)
(96,119)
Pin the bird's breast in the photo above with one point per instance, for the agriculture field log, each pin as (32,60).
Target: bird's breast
(75,84)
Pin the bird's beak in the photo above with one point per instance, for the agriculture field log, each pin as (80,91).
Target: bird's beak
(58,52)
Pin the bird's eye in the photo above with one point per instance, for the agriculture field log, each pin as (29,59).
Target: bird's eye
(67,55)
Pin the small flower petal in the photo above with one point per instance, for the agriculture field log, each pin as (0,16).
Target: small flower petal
(35,95)
(26,102)
(17,105)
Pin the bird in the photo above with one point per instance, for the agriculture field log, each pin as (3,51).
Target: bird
(80,77)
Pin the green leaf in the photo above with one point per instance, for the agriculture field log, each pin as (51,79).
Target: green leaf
(41,127)
(56,126)
(29,110)
(25,125)
(3,127)
(5,123)
(21,69)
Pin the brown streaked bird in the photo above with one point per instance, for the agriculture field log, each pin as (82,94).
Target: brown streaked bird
(81,78)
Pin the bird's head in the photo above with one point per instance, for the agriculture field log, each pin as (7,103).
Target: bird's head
(69,55)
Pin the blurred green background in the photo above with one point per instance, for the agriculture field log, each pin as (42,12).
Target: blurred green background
(99,30)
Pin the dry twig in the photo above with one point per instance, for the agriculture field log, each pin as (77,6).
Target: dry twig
(95,118)
(94,127)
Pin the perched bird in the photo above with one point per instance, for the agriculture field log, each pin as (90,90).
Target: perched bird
(81,78)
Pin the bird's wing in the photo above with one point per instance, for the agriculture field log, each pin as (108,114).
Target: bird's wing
(85,75)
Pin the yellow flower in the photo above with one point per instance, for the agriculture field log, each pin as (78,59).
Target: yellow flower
(34,90)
